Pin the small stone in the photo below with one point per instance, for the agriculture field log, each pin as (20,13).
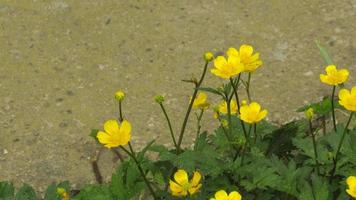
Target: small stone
(5,151)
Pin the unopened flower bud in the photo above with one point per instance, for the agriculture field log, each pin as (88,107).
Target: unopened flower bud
(309,113)
(224,123)
(159,99)
(208,56)
(119,95)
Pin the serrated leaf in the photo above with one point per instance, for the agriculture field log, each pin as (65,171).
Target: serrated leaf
(26,192)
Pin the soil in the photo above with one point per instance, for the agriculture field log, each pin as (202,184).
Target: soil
(61,62)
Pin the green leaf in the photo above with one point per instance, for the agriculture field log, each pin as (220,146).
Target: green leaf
(51,192)
(94,133)
(211,90)
(6,191)
(26,192)
(97,192)
(324,54)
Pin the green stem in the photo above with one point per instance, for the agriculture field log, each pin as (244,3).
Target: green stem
(248,86)
(131,153)
(190,108)
(255,132)
(198,126)
(169,124)
(333,108)
(229,116)
(343,137)
(314,146)
(121,118)
(244,148)
(238,105)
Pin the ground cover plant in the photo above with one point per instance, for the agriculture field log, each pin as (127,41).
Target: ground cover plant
(246,157)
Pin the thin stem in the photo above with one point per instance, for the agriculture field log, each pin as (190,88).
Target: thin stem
(333,108)
(248,86)
(198,125)
(229,115)
(314,146)
(169,124)
(238,104)
(121,118)
(243,150)
(255,132)
(339,147)
(131,153)
(190,108)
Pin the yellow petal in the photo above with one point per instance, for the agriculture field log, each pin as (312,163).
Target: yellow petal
(181,177)
(175,188)
(344,73)
(219,73)
(351,181)
(246,50)
(254,106)
(234,61)
(125,127)
(220,62)
(193,190)
(351,192)
(343,94)
(234,196)
(330,69)
(221,195)
(324,79)
(111,126)
(353,91)
(196,179)
(212,199)
(262,115)
(232,52)
(103,137)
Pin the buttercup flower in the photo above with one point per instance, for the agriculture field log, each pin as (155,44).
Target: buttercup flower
(351,182)
(309,113)
(208,56)
(119,95)
(181,186)
(334,76)
(62,192)
(249,60)
(252,113)
(348,99)
(222,195)
(227,68)
(200,101)
(223,107)
(114,134)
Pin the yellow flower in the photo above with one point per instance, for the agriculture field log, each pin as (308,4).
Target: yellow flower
(181,186)
(114,134)
(351,182)
(200,101)
(334,76)
(223,107)
(249,60)
(222,195)
(62,192)
(119,95)
(348,99)
(208,56)
(309,113)
(252,113)
(227,68)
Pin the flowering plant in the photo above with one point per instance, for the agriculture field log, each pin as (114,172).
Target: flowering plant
(246,157)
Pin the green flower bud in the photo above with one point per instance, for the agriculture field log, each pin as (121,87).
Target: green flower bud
(159,99)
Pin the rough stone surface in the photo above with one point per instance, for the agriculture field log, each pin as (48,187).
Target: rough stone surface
(61,62)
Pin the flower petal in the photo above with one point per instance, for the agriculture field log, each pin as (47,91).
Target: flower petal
(193,190)
(125,127)
(254,106)
(351,181)
(221,194)
(232,52)
(196,179)
(176,189)
(324,79)
(103,137)
(262,115)
(330,69)
(220,62)
(111,126)
(246,50)
(181,177)
(234,196)
(353,91)
(343,94)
